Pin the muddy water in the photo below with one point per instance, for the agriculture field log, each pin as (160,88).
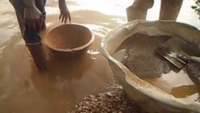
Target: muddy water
(140,58)
(25,90)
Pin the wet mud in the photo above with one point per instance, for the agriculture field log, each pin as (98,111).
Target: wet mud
(138,54)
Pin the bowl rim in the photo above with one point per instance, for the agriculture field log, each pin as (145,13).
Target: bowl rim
(79,48)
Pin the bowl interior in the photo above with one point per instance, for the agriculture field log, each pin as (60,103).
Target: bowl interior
(68,36)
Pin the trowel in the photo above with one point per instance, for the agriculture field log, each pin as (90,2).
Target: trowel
(179,61)
(171,57)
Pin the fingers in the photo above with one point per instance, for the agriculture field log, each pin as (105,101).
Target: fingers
(65,18)
(37,25)
(60,16)
(34,25)
(183,57)
(69,18)
(29,25)
(42,24)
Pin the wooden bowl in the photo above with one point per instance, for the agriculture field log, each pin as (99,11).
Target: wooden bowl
(68,39)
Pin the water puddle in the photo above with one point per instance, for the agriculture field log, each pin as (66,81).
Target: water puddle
(25,89)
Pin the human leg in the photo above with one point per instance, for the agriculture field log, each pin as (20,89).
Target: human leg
(38,55)
(170,9)
(138,10)
(33,43)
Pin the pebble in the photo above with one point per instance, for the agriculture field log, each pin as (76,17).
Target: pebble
(112,101)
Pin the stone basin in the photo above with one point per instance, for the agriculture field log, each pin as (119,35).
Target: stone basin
(147,95)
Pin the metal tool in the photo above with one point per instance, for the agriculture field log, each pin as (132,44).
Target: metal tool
(171,57)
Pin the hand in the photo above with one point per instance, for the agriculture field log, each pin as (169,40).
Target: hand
(33,19)
(192,67)
(64,12)
(193,70)
(65,16)
(189,58)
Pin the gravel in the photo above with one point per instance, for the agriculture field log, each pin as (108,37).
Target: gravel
(112,101)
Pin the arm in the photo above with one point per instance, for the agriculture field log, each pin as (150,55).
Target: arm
(189,58)
(32,16)
(194,58)
(29,3)
(62,5)
(64,12)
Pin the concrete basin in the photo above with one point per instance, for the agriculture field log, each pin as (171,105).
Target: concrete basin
(151,98)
